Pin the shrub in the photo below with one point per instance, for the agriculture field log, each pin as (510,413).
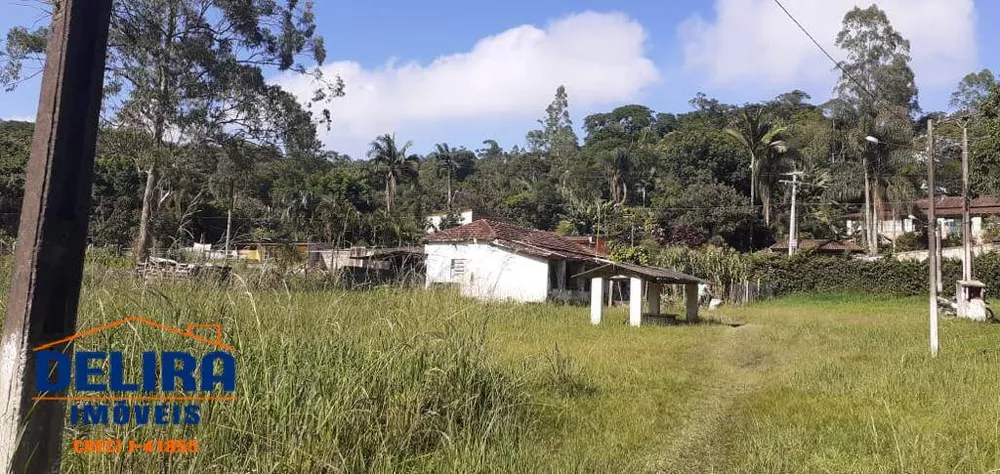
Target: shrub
(810,272)
(911,241)
(991,229)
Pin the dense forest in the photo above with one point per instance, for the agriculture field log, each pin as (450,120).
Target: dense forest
(182,157)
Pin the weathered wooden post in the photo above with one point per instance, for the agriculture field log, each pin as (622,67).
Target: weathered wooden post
(45,287)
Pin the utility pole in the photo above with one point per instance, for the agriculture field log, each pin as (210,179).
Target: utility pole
(48,263)
(793,238)
(932,236)
(966,219)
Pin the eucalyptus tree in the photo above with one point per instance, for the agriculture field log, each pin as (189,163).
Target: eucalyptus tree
(973,91)
(194,70)
(556,138)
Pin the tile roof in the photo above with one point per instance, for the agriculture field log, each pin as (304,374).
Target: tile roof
(952,205)
(654,274)
(822,245)
(529,241)
(596,244)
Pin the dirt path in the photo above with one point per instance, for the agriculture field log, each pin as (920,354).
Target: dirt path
(740,369)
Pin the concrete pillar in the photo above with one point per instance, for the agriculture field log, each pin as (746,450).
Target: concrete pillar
(596,300)
(653,298)
(635,302)
(691,301)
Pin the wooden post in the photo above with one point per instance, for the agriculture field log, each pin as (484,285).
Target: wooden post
(635,302)
(691,302)
(48,265)
(596,300)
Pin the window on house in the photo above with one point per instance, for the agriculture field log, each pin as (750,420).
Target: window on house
(457,267)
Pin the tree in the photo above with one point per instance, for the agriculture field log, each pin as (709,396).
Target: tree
(191,71)
(234,166)
(756,130)
(875,93)
(711,211)
(984,159)
(15,149)
(556,136)
(973,90)
(394,164)
(445,159)
(877,71)
(621,142)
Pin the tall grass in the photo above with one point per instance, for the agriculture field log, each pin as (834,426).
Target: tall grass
(327,382)
(398,380)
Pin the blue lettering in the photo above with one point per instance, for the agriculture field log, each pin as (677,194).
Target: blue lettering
(228,376)
(142,414)
(84,371)
(160,415)
(185,371)
(43,382)
(149,371)
(117,375)
(95,414)
(192,414)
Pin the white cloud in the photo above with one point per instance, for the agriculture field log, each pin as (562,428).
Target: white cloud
(599,57)
(754,41)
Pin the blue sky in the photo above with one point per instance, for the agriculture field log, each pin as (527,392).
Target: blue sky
(461,72)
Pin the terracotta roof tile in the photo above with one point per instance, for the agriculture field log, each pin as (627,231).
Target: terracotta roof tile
(822,245)
(529,241)
(952,205)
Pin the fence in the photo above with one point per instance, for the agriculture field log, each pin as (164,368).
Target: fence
(747,291)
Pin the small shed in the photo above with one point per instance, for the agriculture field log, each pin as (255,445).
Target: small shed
(639,276)
(374,265)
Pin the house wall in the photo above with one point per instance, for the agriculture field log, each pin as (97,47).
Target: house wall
(950,253)
(950,226)
(335,260)
(491,273)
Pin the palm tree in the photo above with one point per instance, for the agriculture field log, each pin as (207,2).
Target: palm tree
(617,166)
(393,161)
(445,158)
(882,170)
(757,131)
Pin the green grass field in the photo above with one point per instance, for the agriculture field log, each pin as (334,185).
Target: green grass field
(413,381)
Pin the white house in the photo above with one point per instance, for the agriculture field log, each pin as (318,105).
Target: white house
(948,213)
(496,261)
(492,261)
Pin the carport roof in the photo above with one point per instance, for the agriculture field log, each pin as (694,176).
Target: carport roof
(653,274)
